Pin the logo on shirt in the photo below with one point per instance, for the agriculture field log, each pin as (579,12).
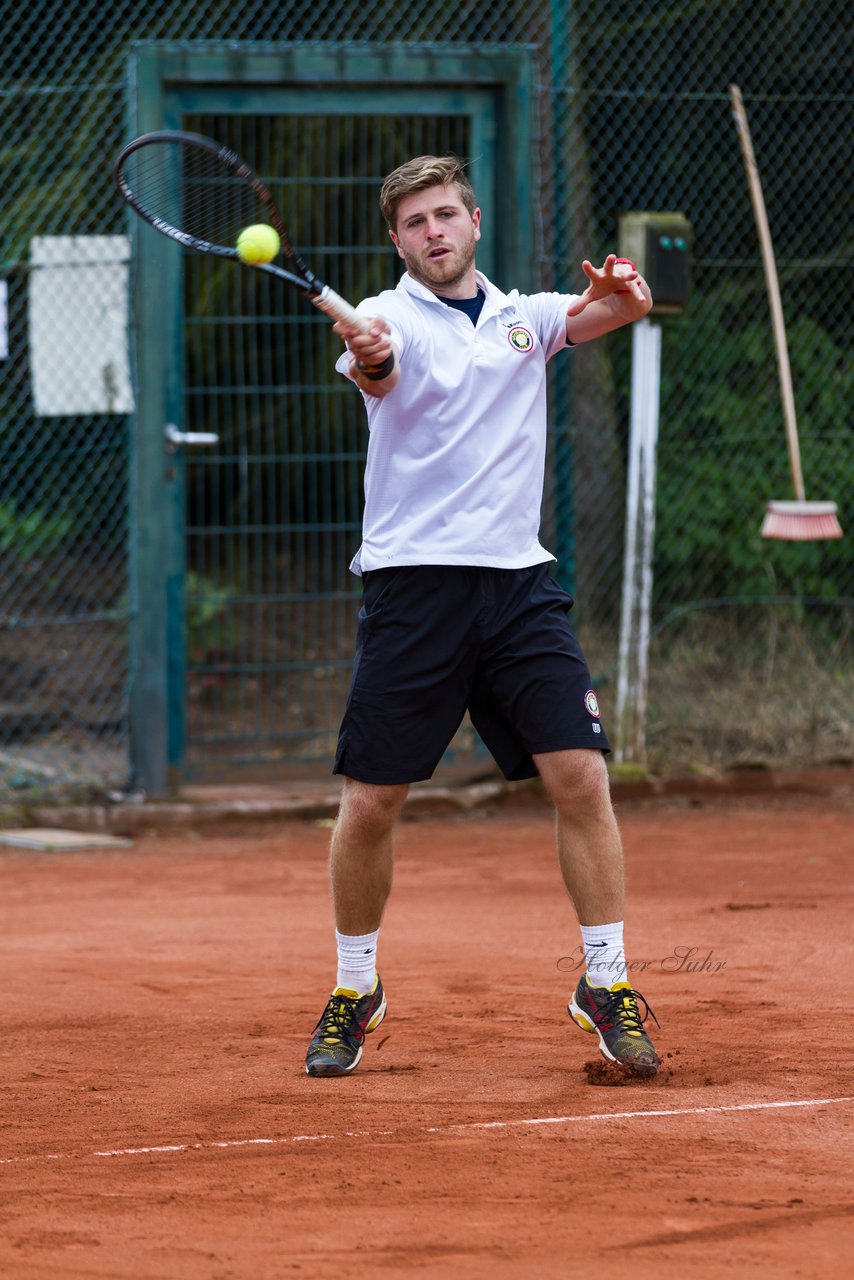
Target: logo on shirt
(591,702)
(520,338)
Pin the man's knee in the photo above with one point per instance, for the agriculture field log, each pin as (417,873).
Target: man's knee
(575,778)
(370,807)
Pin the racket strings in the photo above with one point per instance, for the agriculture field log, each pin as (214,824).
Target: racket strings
(194,192)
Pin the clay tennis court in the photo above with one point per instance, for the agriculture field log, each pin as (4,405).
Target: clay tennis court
(157,1001)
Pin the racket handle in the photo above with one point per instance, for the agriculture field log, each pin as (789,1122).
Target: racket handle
(335,306)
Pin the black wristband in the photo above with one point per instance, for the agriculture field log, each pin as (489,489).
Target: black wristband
(376,372)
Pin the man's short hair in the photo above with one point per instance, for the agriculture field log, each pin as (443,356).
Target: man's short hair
(418,175)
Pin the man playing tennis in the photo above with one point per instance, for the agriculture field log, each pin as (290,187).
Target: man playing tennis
(459,611)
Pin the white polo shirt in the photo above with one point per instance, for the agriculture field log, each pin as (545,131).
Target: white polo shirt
(456,455)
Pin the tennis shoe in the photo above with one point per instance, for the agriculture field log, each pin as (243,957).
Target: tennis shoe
(613,1013)
(336,1045)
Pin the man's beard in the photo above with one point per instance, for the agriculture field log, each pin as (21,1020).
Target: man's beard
(439,282)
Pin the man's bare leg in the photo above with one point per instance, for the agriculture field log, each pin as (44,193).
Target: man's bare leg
(361,864)
(361,857)
(589,848)
(590,853)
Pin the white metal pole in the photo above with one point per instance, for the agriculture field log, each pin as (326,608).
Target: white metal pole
(637,556)
(648,486)
(633,490)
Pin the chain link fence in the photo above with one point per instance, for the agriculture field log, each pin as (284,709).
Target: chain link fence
(750,640)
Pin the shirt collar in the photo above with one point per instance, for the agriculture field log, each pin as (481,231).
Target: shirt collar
(495,302)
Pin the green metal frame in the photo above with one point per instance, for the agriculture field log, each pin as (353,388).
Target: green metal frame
(167,81)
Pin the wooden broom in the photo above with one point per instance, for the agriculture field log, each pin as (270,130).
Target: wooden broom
(798,521)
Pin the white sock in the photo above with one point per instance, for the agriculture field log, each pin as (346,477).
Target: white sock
(357,961)
(603,952)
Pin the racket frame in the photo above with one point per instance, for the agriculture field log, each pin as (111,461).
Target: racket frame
(307,283)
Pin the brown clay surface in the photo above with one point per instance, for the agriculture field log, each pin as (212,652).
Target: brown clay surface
(162,996)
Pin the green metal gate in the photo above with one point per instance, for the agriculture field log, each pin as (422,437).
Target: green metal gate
(246,607)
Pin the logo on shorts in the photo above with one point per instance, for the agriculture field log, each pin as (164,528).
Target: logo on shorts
(521,339)
(591,702)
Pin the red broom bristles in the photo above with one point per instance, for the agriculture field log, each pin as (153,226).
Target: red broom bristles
(801,521)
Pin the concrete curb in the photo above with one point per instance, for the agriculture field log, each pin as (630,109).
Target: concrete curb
(241,806)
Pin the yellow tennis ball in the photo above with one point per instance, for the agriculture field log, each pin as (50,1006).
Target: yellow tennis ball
(259,243)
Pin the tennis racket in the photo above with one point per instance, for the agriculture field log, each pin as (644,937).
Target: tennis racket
(202,195)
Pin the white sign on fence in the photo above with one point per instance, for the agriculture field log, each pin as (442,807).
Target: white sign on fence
(78,321)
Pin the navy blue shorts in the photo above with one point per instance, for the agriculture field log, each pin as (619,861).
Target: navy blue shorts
(436,641)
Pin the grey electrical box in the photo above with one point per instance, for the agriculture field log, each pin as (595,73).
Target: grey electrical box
(660,245)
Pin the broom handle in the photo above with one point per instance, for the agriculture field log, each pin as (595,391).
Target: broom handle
(773,284)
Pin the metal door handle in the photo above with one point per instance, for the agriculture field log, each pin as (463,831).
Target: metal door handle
(174,436)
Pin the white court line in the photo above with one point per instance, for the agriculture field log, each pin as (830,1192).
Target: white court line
(470,1126)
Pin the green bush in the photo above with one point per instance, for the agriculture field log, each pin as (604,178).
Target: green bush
(723,455)
(34,534)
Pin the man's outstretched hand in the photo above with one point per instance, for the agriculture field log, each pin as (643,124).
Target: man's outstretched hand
(611,278)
